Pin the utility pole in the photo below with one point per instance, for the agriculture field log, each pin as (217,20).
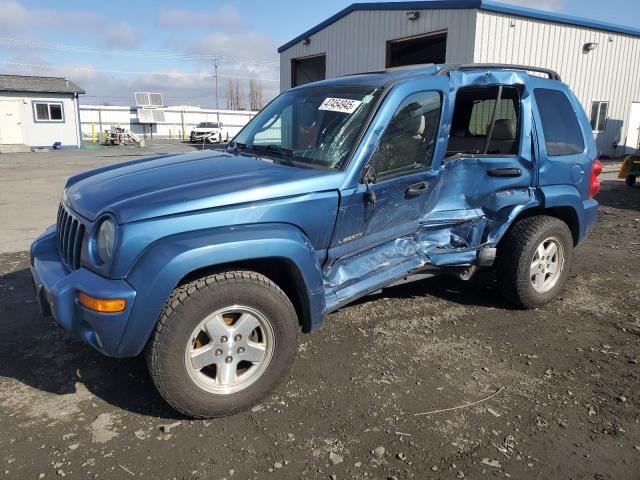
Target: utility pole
(215,66)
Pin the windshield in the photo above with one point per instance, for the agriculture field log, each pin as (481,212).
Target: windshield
(207,125)
(316,126)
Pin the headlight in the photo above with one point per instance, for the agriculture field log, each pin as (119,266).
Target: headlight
(106,240)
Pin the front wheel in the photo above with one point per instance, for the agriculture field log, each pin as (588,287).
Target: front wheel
(222,343)
(534,260)
(630,180)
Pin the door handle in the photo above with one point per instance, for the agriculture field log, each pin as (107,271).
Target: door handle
(504,172)
(416,189)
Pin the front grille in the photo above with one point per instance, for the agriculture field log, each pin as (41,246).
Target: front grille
(70,238)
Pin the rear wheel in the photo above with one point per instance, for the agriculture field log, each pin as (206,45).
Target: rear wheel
(534,260)
(630,180)
(222,344)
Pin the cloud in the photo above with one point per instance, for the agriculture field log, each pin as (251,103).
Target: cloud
(225,18)
(247,45)
(177,86)
(15,18)
(122,35)
(179,82)
(548,5)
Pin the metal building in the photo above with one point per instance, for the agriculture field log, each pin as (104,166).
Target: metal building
(38,112)
(599,61)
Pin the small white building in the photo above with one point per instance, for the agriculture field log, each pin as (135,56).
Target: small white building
(598,60)
(38,112)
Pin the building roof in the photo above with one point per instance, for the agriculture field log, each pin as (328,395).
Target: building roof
(31,84)
(487,5)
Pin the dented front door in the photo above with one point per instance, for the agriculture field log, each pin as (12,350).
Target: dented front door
(377,219)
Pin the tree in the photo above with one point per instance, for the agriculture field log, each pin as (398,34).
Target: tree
(230,96)
(235,96)
(240,102)
(255,95)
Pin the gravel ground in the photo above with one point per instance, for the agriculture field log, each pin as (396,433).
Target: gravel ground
(562,380)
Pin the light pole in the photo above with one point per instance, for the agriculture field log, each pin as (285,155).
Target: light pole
(215,67)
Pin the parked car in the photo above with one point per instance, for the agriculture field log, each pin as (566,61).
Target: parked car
(210,263)
(209,132)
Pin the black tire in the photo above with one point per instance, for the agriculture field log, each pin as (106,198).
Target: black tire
(516,252)
(630,180)
(188,306)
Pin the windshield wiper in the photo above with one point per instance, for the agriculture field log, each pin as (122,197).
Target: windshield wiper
(285,153)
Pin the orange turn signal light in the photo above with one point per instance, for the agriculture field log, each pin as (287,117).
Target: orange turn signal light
(104,305)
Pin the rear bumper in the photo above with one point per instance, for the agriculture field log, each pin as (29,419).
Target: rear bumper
(588,219)
(56,291)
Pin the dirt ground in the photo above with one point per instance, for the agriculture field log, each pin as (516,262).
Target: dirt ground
(562,380)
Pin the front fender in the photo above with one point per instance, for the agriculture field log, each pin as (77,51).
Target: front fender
(162,265)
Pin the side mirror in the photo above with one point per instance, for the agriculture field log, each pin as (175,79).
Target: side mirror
(369,172)
(369,177)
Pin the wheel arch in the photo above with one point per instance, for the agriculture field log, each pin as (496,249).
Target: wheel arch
(281,271)
(281,252)
(565,213)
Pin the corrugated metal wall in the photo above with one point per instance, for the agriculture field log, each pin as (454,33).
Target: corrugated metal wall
(357,42)
(609,73)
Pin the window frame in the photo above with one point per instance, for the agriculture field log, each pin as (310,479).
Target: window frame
(600,103)
(48,103)
(399,172)
(519,116)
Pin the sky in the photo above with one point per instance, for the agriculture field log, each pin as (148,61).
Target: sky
(114,48)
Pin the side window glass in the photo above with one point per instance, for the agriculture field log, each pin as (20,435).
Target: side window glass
(409,140)
(562,132)
(472,124)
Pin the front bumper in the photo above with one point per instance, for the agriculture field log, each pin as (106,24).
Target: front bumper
(56,290)
(208,137)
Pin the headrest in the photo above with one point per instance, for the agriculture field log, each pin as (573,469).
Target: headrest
(414,126)
(504,129)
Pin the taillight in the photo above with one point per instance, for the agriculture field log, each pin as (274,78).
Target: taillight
(594,183)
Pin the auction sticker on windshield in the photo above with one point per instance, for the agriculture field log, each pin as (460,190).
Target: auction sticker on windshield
(343,105)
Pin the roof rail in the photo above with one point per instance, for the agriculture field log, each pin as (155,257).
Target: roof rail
(553,75)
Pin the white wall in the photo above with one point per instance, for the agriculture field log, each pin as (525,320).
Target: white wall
(43,134)
(178,124)
(609,73)
(357,42)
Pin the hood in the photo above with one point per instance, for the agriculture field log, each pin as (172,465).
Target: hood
(204,130)
(173,184)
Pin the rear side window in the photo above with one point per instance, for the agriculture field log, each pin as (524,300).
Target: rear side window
(562,132)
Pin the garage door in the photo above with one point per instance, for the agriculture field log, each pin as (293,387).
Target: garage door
(429,48)
(307,70)
(10,123)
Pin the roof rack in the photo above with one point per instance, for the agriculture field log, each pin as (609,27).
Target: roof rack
(553,75)
(392,69)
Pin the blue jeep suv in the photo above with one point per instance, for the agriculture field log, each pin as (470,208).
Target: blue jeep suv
(212,262)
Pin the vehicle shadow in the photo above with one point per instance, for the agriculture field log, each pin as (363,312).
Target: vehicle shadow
(37,353)
(616,194)
(480,291)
